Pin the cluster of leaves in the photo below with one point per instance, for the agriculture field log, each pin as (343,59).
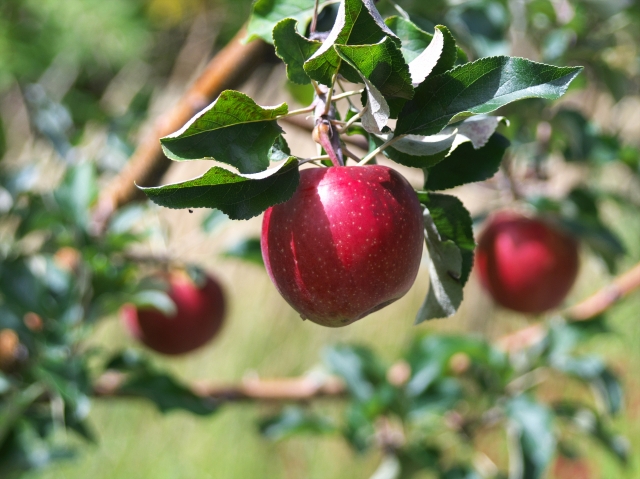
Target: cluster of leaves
(428,411)
(56,281)
(421,80)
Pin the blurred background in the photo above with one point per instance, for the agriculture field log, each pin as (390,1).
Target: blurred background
(83,81)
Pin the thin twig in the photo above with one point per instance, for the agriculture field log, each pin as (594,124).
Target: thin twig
(297,389)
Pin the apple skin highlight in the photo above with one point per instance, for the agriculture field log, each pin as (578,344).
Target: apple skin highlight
(348,243)
(526,264)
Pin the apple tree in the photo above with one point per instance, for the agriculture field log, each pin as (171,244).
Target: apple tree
(342,237)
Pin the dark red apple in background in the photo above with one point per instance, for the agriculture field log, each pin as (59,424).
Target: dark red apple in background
(347,243)
(199,314)
(526,264)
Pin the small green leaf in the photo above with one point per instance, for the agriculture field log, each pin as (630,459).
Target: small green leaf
(77,192)
(247,250)
(167,394)
(292,421)
(454,224)
(279,150)
(438,57)
(426,151)
(357,23)
(385,74)
(466,164)
(267,14)
(589,421)
(233,129)
(480,87)
(239,196)
(359,368)
(445,273)
(154,299)
(293,49)
(534,423)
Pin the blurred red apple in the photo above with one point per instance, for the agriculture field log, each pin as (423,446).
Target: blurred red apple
(199,314)
(347,243)
(526,264)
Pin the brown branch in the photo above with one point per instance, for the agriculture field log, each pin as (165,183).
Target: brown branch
(254,389)
(585,310)
(603,299)
(229,68)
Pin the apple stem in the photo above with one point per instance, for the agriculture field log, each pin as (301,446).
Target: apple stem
(329,97)
(354,119)
(300,111)
(314,159)
(314,21)
(380,149)
(346,94)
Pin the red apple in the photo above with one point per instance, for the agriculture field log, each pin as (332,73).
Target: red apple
(347,243)
(526,264)
(199,314)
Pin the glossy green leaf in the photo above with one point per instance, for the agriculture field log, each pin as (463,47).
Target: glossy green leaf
(233,130)
(385,75)
(238,196)
(266,14)
(467,165)
(438,57)
(293,49)
(358,23)
(480,87)
(427,151)
(454,223)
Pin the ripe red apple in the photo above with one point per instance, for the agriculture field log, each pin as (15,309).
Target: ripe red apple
(526,264)
(199,314)
(347,243)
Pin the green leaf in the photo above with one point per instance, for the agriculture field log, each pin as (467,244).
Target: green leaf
(279,150)
(239,196)
(293,49)
(414,39)
(154,299)
(445,273)
(357,23)
(480,87)
(359,368)
(466,164)
(385,74)
(534,423)
(454,223)
(294,420)
(427,151)
(162,390)
(267,14)
(77,192)
(588,420)
(247,250)
(233,129)
(438,57)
